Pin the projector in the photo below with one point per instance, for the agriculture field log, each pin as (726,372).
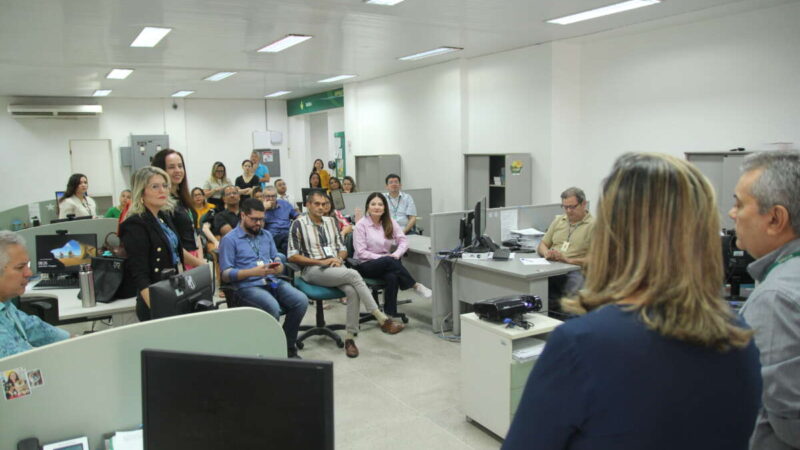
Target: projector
(511,306)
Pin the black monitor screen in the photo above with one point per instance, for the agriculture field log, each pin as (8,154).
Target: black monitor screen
(199,401)
(59,253)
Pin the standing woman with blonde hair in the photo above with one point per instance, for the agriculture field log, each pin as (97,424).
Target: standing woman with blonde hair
(657,360)
(215,184)
(149,235)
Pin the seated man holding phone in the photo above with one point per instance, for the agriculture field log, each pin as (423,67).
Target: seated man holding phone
(249,261)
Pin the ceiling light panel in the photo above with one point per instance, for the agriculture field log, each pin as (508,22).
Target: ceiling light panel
(150,37)
(219,76)
(283,44)
(277,94)
(101,93)
(383,2)
(336,78)
(182,93)
(604,11)
(119,74)
(429,53)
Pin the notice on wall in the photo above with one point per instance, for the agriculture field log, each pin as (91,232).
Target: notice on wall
(508,222)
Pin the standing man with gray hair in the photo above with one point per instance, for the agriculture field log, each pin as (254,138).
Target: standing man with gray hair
(19,332)
(767,216)
(567,240)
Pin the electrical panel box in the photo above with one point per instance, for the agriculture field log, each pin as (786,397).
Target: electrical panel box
(141,151)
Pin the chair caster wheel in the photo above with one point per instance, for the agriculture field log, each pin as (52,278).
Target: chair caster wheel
(340,344)
(404,319)
(299,345)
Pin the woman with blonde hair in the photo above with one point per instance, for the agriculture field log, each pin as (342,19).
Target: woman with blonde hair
(657,359)
(149,235)
(215,184)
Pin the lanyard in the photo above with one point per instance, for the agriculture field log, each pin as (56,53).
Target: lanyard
(572,230)
(395,206)
(255,244)
(781,261)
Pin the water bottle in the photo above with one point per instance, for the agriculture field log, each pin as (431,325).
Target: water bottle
(86,280)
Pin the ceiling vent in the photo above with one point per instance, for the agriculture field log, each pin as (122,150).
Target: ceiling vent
(55,111)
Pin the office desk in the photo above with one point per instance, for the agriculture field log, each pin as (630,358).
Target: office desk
(476,280)
(122,311)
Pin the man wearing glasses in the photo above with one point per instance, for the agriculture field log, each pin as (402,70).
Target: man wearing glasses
(227,219)
(278,216)
(249,260)
(567,241)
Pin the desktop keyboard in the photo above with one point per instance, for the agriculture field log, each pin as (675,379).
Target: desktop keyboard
(58,283)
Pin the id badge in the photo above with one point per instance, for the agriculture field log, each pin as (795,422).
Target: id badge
(328,252)
(565,246)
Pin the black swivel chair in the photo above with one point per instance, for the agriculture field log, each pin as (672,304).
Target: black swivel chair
(375,285)
(45,308)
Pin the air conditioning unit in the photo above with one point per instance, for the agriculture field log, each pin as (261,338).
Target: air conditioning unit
(55,111)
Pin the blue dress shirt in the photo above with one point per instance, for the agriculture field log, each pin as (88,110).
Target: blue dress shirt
(262,170)
(238,250)
(20,332)
(280,218)
(606,381)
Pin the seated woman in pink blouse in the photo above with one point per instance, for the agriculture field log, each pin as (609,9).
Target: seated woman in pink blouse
(373,238)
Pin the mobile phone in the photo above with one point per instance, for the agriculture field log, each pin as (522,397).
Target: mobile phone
(273,265)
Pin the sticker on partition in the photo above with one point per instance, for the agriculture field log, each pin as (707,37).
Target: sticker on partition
(516,167)
(35,378)
(15,384)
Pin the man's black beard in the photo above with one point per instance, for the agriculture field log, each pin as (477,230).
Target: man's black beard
(253,231)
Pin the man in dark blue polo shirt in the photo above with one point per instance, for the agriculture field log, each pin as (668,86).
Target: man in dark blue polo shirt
(278,216)
(249,260)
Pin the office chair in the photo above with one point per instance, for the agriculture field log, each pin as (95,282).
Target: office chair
(374,284)
(45,308)
(317,294)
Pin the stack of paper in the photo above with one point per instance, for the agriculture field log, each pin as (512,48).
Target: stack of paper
(528,238)
(529,352)
(126,440)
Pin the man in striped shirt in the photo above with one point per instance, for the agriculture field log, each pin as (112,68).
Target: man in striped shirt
(315,244)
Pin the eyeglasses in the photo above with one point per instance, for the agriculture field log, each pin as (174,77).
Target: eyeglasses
(270,196)
(255,219)
(570,207)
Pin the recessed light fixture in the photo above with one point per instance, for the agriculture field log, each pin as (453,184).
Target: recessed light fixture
(604,11)
(383,2)
(429,53)
(101,93)
(150,37)
(336,78)
(182,93)
(219,76)
(119,74)
(284,43)
(277,94)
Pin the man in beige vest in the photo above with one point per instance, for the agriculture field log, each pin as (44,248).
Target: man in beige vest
(567,241)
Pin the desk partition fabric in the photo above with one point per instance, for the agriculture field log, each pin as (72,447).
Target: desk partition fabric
(92,383)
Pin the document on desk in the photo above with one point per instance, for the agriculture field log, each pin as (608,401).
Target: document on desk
(127,440)
(508,220)
(534,261)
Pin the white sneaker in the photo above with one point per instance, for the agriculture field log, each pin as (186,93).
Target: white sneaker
(423,291)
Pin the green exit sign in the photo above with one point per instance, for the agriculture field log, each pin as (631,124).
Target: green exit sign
(316,102)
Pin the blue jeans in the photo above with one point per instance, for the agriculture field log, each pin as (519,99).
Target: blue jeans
(284,297)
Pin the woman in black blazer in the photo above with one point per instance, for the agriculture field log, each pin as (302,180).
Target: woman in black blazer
(149,235)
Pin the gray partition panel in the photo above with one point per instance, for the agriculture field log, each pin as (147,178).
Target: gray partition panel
(47,211)
(100,227)
(538,216)
(422,200)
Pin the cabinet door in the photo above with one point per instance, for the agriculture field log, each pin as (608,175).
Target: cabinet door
(518,179)
(477,179)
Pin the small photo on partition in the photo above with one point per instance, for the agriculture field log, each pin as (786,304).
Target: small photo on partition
(35,378)
(15,384)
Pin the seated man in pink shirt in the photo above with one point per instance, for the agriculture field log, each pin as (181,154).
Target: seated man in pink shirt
(373,237)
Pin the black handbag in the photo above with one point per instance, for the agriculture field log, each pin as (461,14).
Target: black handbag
(108,273)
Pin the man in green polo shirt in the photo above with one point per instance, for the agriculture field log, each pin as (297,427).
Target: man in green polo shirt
(567,241)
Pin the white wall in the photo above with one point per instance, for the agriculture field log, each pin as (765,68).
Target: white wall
(35,152)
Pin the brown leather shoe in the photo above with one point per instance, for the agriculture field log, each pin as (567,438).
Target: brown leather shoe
(392,327)
(350,348)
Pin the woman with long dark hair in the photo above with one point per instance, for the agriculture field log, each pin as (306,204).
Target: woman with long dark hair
(348,184)
(247,181)
(374,236)
(314,181)
(76,201)
(649,363)
(183,214)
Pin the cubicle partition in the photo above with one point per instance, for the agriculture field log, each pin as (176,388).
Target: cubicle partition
(45,210)
(422,200)
(100,227)
(92,384)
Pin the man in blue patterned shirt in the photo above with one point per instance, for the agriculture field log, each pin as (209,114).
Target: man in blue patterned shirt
(19,332)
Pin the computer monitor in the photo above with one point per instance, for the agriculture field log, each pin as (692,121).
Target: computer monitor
(70,219)
(480,242)
(479,222)
(202,401)
(306,191)
(183,293)
(64,253)
(337,199)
